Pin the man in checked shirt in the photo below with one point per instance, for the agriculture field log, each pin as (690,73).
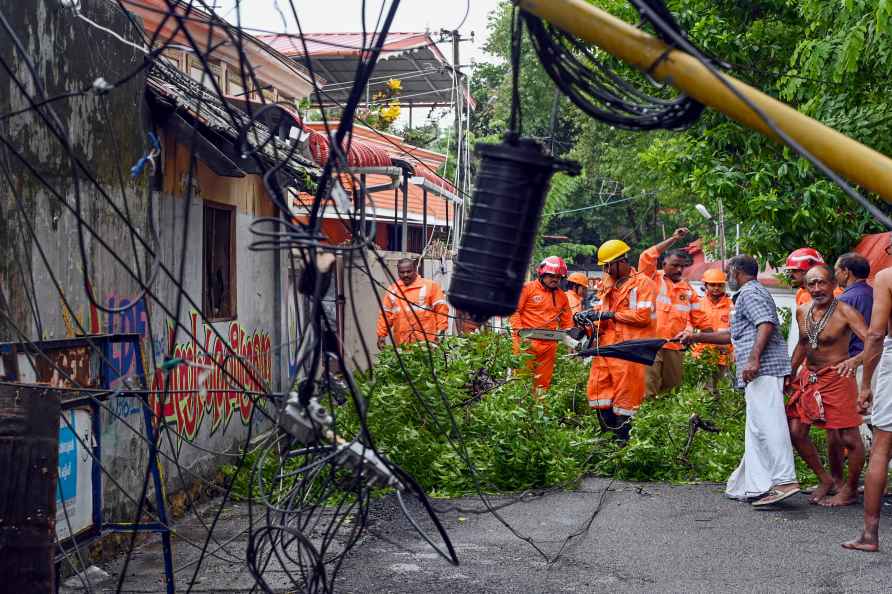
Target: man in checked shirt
(766,471)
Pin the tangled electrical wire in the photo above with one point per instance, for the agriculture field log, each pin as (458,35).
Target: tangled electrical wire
(579,71)
(584,74)
(315,507)
(310,480)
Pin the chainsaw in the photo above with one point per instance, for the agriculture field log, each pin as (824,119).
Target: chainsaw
(565,336)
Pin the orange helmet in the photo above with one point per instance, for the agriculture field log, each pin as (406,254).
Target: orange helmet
(578,278)
(714,276)
(552,265)
(804,259)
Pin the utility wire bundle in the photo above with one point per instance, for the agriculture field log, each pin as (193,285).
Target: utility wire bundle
(583,74)
(308,517)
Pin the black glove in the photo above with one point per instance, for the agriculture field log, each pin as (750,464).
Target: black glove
(576,333)
(585,318)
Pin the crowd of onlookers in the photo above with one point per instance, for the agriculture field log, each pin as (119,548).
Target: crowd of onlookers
(835,379)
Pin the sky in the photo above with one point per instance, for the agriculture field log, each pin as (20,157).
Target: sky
(318,16)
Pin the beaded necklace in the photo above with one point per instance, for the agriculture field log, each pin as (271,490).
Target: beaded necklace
(813,329)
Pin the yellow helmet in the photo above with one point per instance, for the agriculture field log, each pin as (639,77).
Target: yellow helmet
(611,249)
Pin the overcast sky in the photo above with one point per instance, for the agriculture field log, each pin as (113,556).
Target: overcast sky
(330,16)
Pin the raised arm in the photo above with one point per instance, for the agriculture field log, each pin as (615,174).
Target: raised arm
(647,261)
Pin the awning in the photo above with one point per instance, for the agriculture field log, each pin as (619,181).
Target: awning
(359,153)
(184,106)
(426,76)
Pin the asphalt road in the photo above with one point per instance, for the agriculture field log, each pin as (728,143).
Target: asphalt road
(646,538)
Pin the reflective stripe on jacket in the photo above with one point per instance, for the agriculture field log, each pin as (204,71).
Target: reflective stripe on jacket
(633,305)
(414,312)
(539,307)
(674,300)
(712,316)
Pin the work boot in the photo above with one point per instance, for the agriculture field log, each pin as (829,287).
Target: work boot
(607,420)
(623,428)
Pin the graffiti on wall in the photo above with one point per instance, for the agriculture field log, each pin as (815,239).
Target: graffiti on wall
(211,381)
(217,376)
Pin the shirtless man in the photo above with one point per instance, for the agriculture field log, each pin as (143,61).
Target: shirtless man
(824,392)
(879,341)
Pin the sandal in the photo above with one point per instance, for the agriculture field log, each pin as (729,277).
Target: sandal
(775,496)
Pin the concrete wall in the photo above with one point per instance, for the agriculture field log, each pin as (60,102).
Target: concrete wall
(361,308)
(44,277)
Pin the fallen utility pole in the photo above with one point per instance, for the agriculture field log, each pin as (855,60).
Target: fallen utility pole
(29,459)
(860,164)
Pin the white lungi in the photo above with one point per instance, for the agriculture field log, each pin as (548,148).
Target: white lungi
(881,413)
(768,452)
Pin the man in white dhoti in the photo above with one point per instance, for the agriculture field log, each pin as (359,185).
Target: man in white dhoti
(766,471)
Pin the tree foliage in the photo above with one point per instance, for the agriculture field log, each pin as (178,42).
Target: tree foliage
(830,60)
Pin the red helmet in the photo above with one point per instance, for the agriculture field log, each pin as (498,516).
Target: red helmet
(552,265)
(804,259)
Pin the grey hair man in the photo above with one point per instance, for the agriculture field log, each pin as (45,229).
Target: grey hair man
(767,471)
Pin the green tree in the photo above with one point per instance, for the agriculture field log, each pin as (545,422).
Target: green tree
(830,60)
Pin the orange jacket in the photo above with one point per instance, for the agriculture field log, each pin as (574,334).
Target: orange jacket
(574,301)
(414,312)
(539,307)
(633,305)
(674,300)
(706,314)
(803,296)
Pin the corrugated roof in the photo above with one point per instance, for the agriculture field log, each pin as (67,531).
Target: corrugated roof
(426,76)
(348,44)
(425,162)
(187,96)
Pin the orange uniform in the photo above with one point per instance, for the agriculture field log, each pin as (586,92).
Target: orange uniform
(415,312)
(614,383)
(674,300)
(803,296)
(715,316)
(575,302)
(539,307)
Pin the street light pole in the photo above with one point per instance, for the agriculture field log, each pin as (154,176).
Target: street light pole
(721,232)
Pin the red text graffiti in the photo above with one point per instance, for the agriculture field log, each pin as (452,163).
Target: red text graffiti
(218,378)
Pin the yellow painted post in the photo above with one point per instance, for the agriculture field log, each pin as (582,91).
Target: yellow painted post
(849,158)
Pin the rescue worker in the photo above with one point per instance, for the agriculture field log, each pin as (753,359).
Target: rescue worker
(577,291)
(673,303)
(414,308)
(625,311)
(798,263)
(713,314)
(542,305)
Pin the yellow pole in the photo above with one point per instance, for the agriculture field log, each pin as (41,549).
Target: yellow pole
(860,164)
